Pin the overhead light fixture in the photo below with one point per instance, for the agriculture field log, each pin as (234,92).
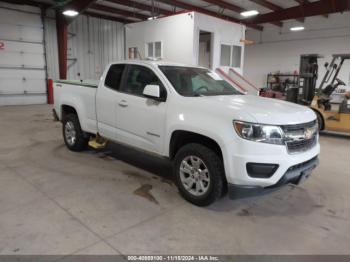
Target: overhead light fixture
(297,28)
(152,18)
(70,13)
(249,13)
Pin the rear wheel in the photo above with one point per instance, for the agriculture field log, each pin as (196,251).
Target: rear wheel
(74,138)
(199,174)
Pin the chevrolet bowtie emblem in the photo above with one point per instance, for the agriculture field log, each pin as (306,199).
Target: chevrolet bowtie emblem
(308,133)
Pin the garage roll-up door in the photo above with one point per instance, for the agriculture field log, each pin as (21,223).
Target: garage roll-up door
(22,58)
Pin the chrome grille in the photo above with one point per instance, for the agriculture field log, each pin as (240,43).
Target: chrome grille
(291,128)
(300,137)
(301,146)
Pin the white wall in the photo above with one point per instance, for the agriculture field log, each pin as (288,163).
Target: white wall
(94,43)
(276,50)
(224,33)
(175,33)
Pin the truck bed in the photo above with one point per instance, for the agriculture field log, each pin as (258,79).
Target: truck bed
(79,95)
(87,83)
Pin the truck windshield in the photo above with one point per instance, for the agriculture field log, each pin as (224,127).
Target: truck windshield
(192,81)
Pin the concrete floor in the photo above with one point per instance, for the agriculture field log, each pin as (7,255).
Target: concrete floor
(120,201)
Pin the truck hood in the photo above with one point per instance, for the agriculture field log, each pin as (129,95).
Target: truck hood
(262,110)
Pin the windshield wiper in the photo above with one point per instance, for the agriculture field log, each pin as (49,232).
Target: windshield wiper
(196,94)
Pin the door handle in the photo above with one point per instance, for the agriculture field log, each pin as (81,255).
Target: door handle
(123,103)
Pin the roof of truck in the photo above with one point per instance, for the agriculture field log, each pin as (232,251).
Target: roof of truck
(153,62)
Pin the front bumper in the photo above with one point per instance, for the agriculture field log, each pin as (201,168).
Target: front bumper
(294,175)
(239,152)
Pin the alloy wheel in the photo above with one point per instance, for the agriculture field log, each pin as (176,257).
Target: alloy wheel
(194,175)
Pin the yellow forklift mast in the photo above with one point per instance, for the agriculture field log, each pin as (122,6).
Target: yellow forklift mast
(333,109)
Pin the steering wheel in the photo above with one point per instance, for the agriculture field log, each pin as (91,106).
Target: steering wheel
(202,87)
(340,82)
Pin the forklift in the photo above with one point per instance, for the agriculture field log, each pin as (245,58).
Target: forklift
(332,108)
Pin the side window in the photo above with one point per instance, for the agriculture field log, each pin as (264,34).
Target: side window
(230,55)
(225,58)
(138,77)
(114,76)
(236,56)
(154,49)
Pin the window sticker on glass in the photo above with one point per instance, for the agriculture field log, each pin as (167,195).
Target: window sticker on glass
(214,75)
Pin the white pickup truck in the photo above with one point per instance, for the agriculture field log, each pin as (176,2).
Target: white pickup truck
(218,138)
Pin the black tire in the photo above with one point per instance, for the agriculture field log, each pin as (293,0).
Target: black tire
(214,164)
(82,139)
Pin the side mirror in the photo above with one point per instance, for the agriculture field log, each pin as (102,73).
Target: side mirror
(326,64)
(153,92)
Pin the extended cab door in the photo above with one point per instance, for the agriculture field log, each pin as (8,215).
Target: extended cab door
(140,120)
(106,101)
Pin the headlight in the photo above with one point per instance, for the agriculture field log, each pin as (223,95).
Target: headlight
(260,133)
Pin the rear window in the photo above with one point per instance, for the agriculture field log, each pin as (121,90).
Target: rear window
(114,76)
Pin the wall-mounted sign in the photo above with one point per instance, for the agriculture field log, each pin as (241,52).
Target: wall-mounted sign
(2,45)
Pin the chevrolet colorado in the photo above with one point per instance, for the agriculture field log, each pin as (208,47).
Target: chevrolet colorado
(219,139)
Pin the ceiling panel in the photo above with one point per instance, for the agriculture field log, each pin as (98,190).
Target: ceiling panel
(245,4)
(111,14)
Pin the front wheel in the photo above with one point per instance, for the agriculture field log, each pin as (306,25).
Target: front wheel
(199,174)
(74,138)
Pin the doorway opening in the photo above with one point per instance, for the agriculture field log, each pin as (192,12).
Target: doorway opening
(205,49)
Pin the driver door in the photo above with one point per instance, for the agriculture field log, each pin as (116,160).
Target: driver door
(106,97)
(140,120)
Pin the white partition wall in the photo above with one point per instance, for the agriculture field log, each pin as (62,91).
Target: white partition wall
(174,33)
(223,33)
(179,35)
(192,38)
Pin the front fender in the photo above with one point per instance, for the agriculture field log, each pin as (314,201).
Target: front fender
(215,128)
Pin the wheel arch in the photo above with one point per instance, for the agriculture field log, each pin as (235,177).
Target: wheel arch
(74,107)
(180,138)
(68,109)
(319,114)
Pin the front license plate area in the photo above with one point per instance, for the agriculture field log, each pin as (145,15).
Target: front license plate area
(305,175)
